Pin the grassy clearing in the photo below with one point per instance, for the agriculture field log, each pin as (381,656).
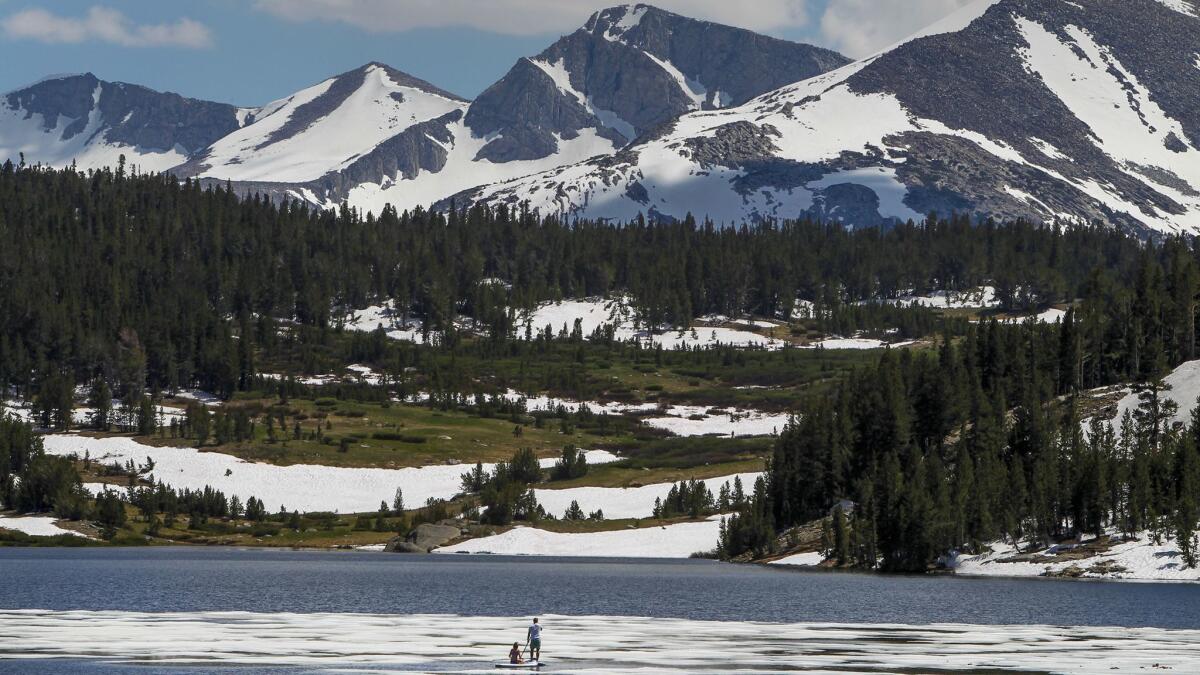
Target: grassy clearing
(391,436)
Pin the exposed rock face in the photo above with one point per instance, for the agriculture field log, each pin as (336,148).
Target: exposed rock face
(628,70)
(1042,109)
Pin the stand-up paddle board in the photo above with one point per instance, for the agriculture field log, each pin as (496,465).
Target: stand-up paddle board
(528,665)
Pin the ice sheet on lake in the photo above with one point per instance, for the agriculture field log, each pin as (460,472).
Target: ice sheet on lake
(583,644)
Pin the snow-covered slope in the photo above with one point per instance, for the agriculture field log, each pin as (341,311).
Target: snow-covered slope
(83,120)
(1045,109)
(325,127)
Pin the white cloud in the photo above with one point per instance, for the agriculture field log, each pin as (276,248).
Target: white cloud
(525,17)
(103,24)
(859,28)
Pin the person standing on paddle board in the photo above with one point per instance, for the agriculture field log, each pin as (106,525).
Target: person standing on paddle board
(534,637)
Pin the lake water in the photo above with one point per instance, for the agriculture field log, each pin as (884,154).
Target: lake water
(106,610)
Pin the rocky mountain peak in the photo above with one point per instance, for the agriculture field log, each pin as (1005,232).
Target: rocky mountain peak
(1049,110)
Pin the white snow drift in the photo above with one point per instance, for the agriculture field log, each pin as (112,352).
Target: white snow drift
(679,540)
(1140,559)
(36,526)
(1185,393)
(306,487)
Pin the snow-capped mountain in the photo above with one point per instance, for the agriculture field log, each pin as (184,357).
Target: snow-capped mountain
(81,119)
(376,136)
(324,128)
(1046,109)
(628,70)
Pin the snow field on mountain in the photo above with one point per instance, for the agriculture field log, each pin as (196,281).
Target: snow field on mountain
(583,644)
(679,540)
(1126,122)
(306,487)
(463,170)
(34,526)
(675,183)
(369,116)
(822,118)
(633,502)
(1142,560)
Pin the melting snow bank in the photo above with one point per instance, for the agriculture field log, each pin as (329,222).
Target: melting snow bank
(983,297)
(1137,560)
(34,526)
(584,644)
(633,502)
(680,540)
(811,559)
(696,421)
(307,487)
(1185,392)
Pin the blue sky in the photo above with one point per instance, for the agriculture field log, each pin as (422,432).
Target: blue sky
(250,52)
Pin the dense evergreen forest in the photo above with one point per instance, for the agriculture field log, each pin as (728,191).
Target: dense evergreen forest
(156,284)
(135,284)
(984,439)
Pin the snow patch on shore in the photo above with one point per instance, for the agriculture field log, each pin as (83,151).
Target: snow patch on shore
(811,559)
(679,540)
(1137,560)
(35,526)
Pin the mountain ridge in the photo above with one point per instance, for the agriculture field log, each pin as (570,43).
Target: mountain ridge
(964,117)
